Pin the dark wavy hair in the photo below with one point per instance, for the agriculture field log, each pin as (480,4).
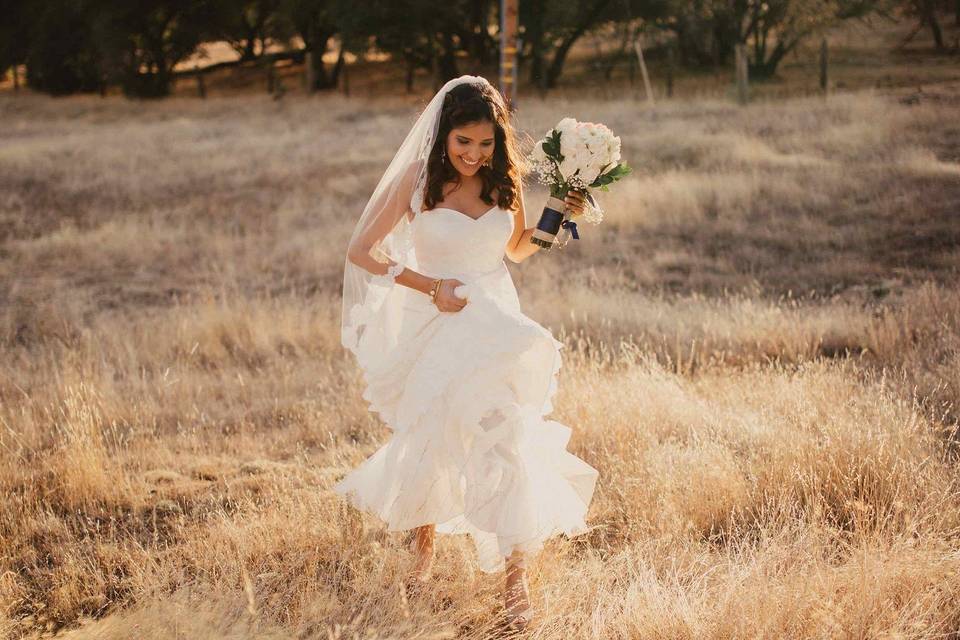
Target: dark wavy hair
(463,105)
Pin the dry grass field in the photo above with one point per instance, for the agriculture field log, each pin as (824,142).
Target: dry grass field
(762,355)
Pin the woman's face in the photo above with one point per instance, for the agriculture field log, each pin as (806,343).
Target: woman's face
(470,145)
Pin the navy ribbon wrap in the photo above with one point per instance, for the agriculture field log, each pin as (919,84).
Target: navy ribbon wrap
(570,224)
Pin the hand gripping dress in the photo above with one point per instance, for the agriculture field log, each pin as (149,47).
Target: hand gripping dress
(465,394)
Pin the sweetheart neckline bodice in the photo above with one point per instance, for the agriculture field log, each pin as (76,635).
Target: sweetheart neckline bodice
(460,213)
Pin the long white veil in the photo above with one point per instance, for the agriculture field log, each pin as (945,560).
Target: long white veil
(381,244)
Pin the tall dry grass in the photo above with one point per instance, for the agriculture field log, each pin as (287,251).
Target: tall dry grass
(762,346)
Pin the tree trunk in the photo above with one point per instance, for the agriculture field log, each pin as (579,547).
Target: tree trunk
(587,20)
(534,35)
(559,59)
(479,38)
(337,67)
(322,79)
(249,47)
(766,68)
(931,11)
(447,67)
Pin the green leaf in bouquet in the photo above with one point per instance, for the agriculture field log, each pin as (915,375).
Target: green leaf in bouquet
(551,146)
(619,171)
(614,174)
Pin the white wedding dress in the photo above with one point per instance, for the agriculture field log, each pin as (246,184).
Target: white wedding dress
(465,394)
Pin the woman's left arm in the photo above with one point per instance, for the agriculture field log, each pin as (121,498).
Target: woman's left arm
(519,247)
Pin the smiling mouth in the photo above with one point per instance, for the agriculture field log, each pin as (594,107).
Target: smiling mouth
(468,163)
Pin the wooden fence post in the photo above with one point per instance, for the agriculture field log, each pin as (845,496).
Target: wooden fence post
(824,79)
(643,71)
(742,81)
(201,86)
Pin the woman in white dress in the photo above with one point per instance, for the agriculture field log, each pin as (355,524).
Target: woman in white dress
(450,363)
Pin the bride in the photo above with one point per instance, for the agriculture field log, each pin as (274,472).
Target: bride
(450,363)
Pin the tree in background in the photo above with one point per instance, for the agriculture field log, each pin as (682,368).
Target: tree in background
(424,34)
(708,30)
(925,12)
(78,45)
(58,46)
(401,29)
(315,21)
(250,25)
(776,27)
(145,39)
(14,35)
(550,28)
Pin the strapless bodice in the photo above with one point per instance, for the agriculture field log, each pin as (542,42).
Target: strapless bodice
(450,244)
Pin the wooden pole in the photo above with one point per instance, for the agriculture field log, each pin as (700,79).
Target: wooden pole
(742,80)
(643,71)
(201,86)
(508,51)
(824,79)
(670,71)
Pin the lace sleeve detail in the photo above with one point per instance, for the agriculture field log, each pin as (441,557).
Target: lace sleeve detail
(389,278)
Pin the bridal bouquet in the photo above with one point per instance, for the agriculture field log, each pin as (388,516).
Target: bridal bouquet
(574,155)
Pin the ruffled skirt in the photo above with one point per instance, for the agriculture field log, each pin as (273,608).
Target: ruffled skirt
(465,394)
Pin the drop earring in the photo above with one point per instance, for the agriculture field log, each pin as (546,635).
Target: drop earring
(443,156)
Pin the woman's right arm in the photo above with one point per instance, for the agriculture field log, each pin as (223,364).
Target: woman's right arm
(389,209)
(391,206)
